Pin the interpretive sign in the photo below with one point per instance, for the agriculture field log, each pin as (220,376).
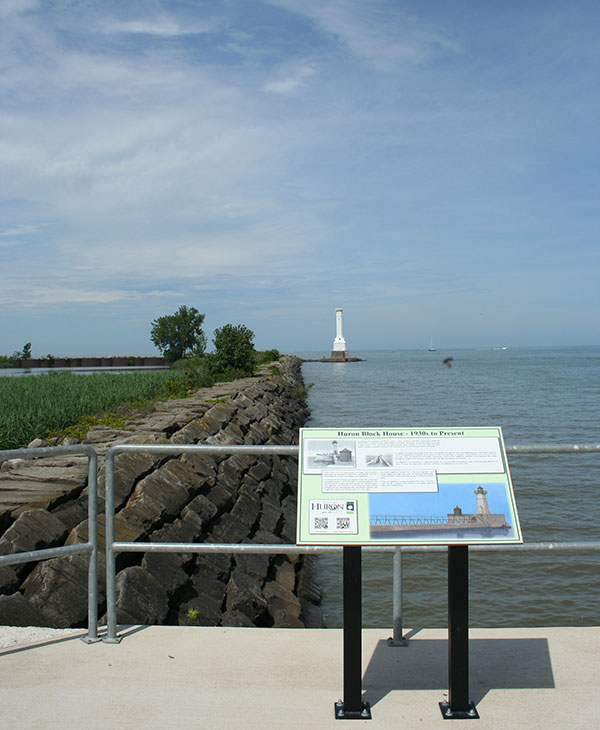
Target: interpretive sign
(365,486)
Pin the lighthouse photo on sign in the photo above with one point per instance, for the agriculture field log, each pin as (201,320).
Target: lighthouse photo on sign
(465,510)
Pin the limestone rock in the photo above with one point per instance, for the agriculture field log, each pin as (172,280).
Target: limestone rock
(246,510)
(203,466)
(202,507)
(43,483)
(167,569)
(9,581)
(16,610)
(35,529)
(159,496)
(255,565)
(140,597)
(236,618)
(244,595)
(199,611)
(216,566)
(207,599)
(71,513)
(228,530)
(59,588)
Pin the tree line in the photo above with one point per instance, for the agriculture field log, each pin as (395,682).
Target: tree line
(180,336)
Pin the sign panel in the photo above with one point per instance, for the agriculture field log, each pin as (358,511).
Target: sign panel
(403,486)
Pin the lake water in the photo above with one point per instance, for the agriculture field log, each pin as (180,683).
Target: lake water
(22,372)
(539,395)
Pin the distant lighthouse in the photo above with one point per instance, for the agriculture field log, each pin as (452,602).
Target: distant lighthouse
(340,349)
(482,503)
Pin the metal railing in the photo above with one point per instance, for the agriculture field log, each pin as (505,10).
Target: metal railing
(90,547)
(113,546)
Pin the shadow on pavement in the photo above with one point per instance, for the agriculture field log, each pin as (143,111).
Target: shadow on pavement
(494,664)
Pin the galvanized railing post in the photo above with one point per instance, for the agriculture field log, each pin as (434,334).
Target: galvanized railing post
(111,573)
(92,634)
(90,547)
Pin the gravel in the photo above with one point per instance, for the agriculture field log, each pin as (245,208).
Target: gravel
(18,635)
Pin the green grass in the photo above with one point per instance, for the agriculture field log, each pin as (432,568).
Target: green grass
(35,406)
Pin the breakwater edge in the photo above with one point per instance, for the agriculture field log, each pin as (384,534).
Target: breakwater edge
(43,503)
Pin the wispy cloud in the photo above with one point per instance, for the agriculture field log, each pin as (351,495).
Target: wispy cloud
(22,230)
(380,33)
(288,81)
(252,154)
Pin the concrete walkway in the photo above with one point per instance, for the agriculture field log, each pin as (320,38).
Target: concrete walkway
(164,677)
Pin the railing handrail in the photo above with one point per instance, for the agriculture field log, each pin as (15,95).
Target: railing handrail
(292,450)
(113,546)
(293,549)
(90,547)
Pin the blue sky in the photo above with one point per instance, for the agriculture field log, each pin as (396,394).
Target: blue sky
(430,166)
(441,503)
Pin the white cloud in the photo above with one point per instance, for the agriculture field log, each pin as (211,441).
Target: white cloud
(319,144)
(379,32)
(166,28)
(38,296)
(288,82)
(22,230)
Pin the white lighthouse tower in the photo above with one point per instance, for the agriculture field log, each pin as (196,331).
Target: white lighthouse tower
(482,503)
(339,350)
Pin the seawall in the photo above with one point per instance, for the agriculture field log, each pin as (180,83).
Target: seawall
(43,503)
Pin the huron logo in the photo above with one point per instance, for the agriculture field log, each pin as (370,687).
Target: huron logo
(331,506)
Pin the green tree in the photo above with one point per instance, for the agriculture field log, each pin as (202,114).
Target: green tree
(179,334)
(234,349)
(25,353)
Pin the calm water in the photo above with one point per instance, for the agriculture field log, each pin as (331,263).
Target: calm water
(22,372)
(538,396)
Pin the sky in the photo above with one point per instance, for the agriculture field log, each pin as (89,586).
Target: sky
(432,167)
(442,502)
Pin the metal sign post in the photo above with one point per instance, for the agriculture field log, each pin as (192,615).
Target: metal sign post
(458,706)
(406,485)
(352,707)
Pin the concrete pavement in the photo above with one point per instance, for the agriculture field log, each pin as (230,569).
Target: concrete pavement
(164,677)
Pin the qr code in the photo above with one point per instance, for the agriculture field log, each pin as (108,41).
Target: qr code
(321,523)
(342,523)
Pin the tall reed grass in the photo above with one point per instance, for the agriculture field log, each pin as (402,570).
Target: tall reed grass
(32,406)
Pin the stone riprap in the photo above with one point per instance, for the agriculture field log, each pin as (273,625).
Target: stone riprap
(186,498)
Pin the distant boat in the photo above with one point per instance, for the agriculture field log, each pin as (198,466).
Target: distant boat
(431,348)
(505,347)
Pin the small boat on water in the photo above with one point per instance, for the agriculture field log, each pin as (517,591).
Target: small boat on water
(431,348)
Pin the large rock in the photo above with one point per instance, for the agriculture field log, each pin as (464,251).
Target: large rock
(167,569)
(140,597)
(244,595)
(9,580)
(159,496)
(232,499)
(42,483)
(283,606)
(205,604)
(59,587)
(16,610)
(34,529)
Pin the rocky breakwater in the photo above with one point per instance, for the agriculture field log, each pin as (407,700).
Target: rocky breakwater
(189,498)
